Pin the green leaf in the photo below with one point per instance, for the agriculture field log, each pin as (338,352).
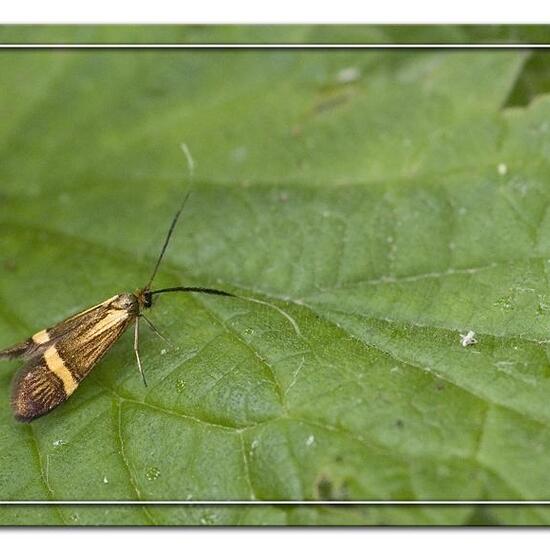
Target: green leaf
(380,204)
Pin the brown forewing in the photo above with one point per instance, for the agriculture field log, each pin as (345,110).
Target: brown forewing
(79,342)
(36,390)
(81,350)
(71,326)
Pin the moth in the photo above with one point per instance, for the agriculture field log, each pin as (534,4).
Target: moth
(57,359)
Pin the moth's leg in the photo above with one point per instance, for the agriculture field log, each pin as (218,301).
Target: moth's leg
(136,350)
(159,334)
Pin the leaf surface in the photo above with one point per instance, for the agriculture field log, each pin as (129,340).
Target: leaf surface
(380,204)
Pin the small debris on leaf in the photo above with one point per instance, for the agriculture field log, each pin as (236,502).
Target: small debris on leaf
(349,74)
(468,339)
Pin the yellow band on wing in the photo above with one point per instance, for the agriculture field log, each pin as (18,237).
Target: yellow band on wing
(41,337)
(57,366)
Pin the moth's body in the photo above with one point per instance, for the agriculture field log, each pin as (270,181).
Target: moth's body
(58,358)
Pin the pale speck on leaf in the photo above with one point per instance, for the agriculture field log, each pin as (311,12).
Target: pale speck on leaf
(348,74)
(468,339)
(502,169)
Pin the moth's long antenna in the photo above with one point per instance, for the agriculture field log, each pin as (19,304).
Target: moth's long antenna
(193,289)
(189,159)
(191,168)
(167,240)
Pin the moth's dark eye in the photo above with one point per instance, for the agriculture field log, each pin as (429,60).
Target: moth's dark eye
(147,299)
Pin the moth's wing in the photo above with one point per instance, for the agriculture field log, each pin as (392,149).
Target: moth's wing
(36,344)
(54,370)
(15,351)
(82,349)
(36,390)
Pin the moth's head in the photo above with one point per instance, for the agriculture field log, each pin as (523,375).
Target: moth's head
(128,302)
(144,298)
